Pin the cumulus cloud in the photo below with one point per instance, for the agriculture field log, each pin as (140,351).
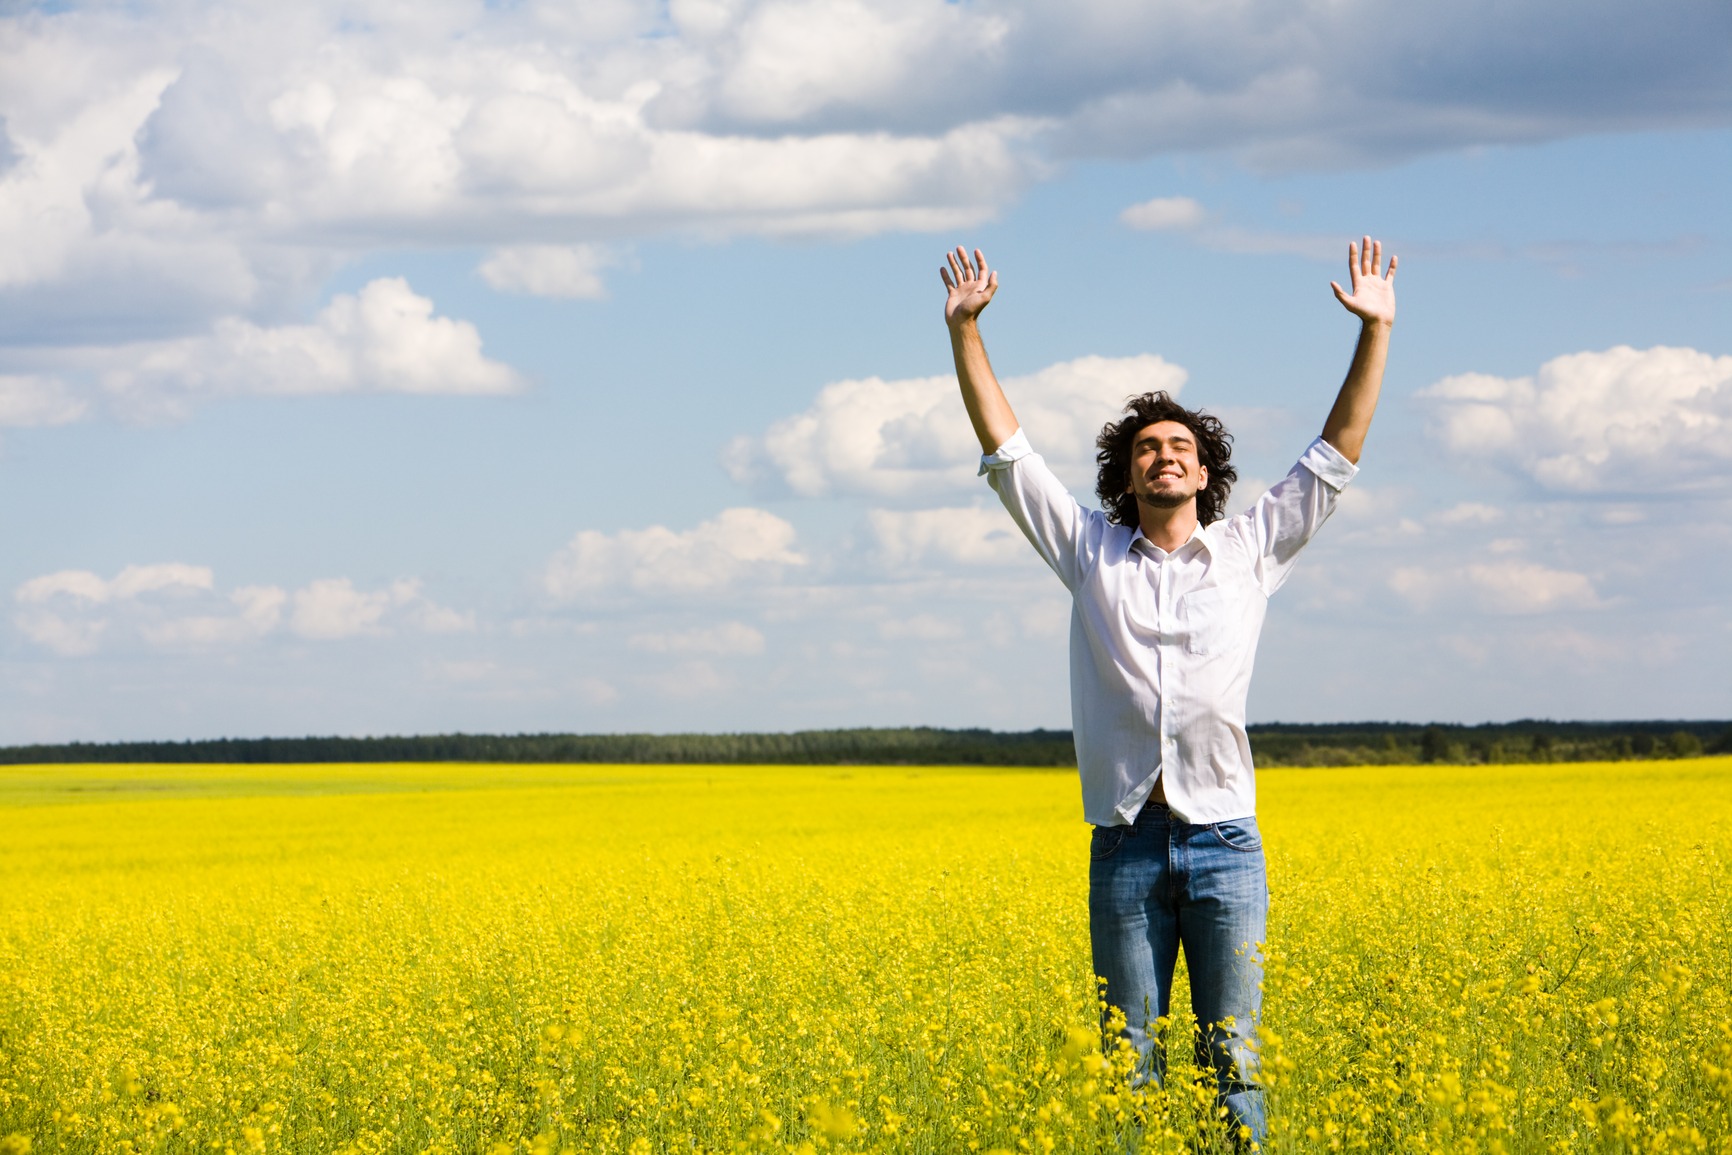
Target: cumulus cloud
(83,241)
(130,583)
(37,400)
(966,535)
(1470,513)
(69,612)
(385,338)
(1503,586)
(1624,420)
(163,165)
(548,270)
(1186,216)
(177,606)
(793,63)
(723,640)
(1164,213)
(170,166)
(736,546)
(911,436)
(920,628)
(333,608)
(256,611)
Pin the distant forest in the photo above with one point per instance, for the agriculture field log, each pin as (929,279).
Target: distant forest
(1276,744)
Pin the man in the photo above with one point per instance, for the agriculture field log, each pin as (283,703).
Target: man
(1168,601)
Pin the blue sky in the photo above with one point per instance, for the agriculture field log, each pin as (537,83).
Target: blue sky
(553,368)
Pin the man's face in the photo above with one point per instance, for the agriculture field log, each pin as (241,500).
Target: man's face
(1165,471)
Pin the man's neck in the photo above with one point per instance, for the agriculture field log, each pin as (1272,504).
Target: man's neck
(1168,529)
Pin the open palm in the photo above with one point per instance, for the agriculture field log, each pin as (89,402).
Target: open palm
(1373,295)
(969,283)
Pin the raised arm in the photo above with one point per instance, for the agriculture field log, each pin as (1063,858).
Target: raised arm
(1373,302)
(971,287)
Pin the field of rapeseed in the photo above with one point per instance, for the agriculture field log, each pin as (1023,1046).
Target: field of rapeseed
(642,959)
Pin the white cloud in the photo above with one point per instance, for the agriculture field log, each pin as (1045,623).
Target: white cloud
(1620,421)
(383,339)
(432,618)
(597,691)
(897,438)
(1269,243)
(1505,586)
(1164,213)
(1471,513)
(725,639)
(176,163)
(332,608)
(1519,587)
(920,628)
(129,583)
(969,535)
(35,400)
(735,546)
(62,635)
(792,62)
(257,611)
(64,612)
(1184,215)
(690,680)
(177,606)
(548,270)
(81,235)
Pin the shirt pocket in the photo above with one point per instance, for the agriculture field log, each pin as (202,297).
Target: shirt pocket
(1208,620)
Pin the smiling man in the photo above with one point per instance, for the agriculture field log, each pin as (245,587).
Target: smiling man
(1168,599)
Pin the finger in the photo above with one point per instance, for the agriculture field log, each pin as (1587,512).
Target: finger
(992,283)
(967,265)
(944,274)
(1340,293)
(1365,256)
(955,266)
(1352,261)
(1376,257)
(1390,276)
(980,264)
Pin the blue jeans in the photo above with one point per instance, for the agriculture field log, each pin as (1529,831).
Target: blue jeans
(1161,885)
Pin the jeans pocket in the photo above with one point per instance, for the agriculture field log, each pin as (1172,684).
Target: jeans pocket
(1105,842)
(1240,834)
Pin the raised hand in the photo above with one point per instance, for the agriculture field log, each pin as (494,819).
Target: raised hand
(970,286)
(1373,296)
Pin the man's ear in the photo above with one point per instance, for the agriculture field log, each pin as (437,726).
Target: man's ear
(1203,472)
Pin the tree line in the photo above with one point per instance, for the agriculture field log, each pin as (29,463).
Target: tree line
(1273,744)
(1529,740)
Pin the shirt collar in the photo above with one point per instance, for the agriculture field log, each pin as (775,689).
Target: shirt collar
(1200,536)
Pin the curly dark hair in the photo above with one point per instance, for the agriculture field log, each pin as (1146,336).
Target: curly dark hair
(1214,451)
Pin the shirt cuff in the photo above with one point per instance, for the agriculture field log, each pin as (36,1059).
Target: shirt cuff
(1328,464)
(1013,450)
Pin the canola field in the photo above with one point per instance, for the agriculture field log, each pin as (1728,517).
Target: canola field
(635,959)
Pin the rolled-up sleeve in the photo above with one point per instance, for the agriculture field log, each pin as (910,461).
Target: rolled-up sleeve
(1294,509)
(1052,520)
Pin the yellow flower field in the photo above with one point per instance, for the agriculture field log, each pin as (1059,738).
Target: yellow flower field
(632,959)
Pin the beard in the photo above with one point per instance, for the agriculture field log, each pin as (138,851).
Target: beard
(1164,500)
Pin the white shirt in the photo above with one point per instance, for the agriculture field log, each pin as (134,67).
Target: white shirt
(1162,644)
